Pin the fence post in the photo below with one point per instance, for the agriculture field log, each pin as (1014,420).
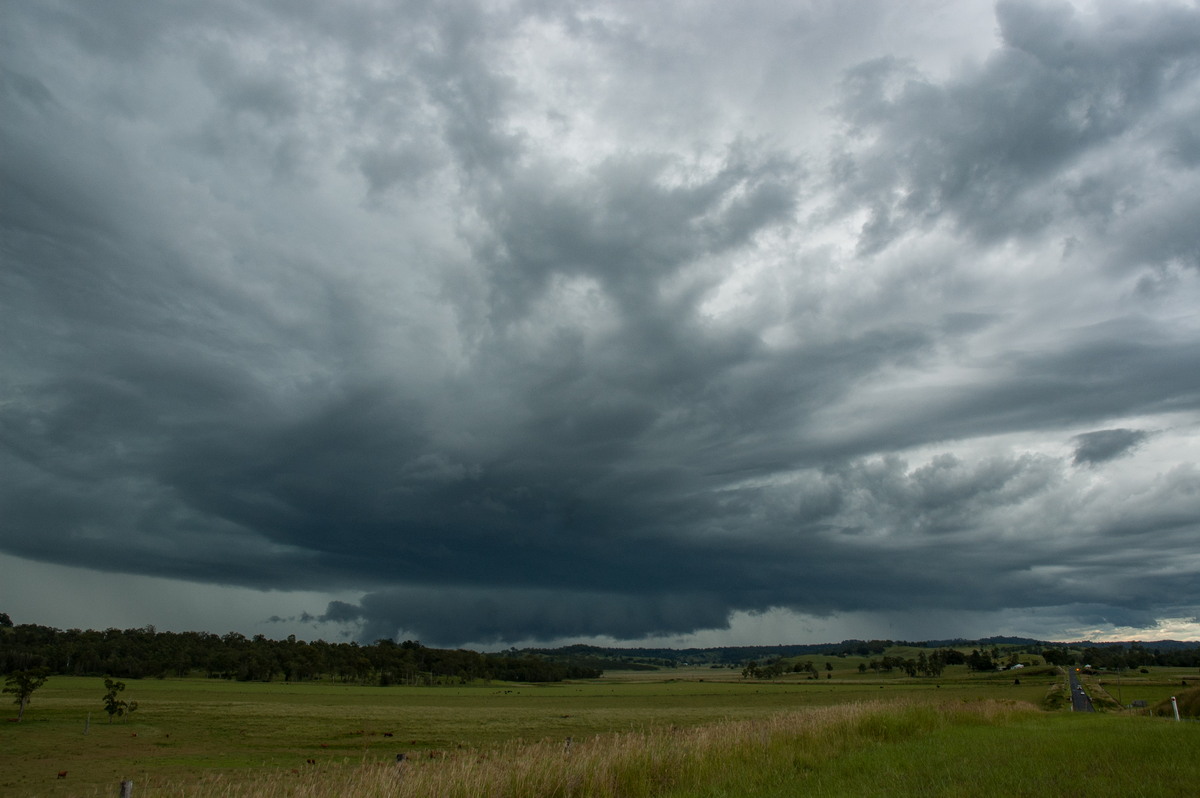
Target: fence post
(1175,707)
(127,788)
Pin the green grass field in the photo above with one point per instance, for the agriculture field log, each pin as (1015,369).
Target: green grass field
(196,733)
(1157,685)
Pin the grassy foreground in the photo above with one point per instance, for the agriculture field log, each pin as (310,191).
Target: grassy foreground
(964,735)
(985,748)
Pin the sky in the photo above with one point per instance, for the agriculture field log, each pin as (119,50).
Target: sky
(528,322)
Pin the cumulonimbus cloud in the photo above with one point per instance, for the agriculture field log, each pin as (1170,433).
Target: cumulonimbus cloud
(532,323)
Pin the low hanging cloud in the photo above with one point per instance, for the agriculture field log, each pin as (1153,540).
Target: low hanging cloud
(512,323)
(489,615)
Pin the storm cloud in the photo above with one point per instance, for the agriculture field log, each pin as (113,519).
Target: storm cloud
(1106,444)
(485,323)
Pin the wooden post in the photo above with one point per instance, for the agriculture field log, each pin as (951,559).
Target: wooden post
(127,789)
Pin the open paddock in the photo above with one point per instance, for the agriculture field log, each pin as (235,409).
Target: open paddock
(202,731)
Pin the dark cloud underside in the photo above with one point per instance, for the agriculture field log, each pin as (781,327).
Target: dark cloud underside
(602,320)
(1104,445)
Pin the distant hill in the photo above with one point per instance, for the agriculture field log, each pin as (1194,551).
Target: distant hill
(960,642)
(616,658)
(137,653)
(1150,645)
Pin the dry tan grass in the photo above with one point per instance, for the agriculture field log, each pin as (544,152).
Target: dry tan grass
(623,765)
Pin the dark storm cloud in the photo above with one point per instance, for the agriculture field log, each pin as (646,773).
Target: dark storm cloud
(488,615)
(531,324)
(621,226)
(1107,444)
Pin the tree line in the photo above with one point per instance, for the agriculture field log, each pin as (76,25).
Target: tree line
(724,656)
(1119,656)
(147,653)
(931,664)
(1113,656)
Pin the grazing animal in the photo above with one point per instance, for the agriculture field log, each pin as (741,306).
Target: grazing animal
(387,734)
(62,774)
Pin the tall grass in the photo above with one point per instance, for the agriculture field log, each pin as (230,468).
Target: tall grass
(894,749)
(1187,703)
(752,757)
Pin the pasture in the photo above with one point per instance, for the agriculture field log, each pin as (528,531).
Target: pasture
(1153,686)
(190,735)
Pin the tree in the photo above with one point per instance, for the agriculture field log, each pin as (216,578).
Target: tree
(772,670)
(113,705)
(952,656)
(980,661)
(22,684)
(1058,656)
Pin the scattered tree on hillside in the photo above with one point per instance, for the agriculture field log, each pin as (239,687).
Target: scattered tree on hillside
(22,684)
(805,667)
(936,663)
(952,656)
